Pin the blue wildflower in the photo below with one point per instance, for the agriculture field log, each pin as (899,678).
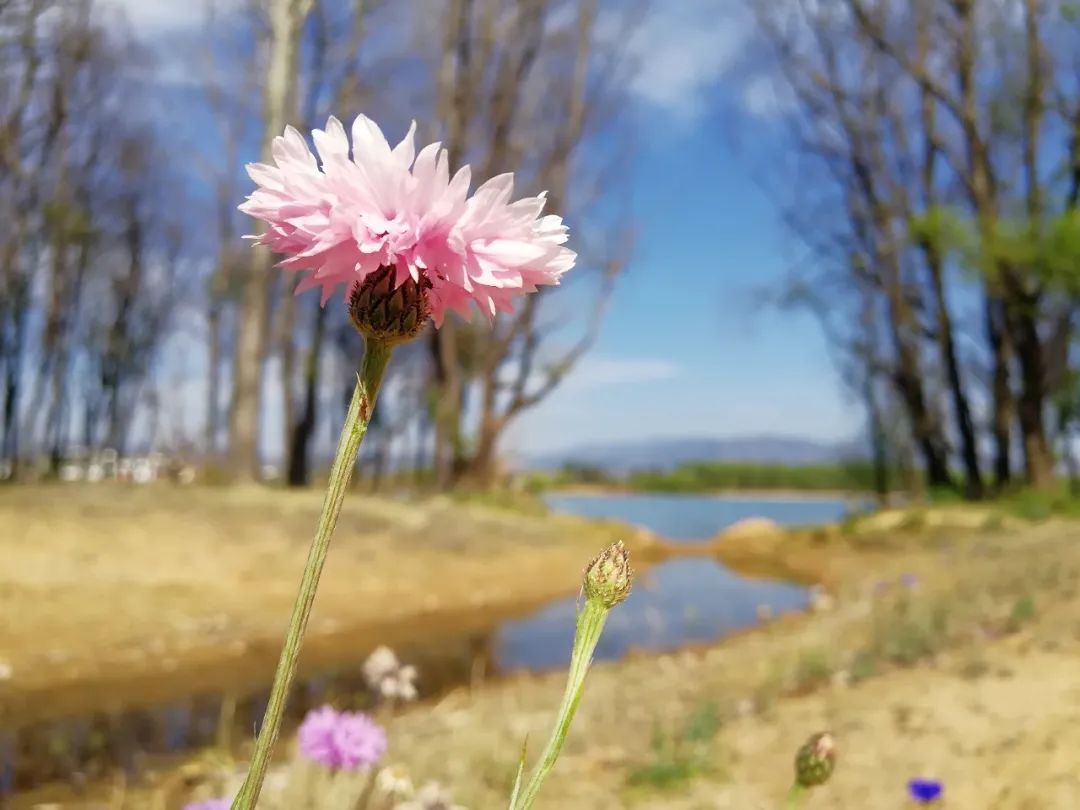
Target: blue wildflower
(925,791)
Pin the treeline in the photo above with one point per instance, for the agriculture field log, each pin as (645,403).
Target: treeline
(933,173)
(133,316)
(710,476)
(703,476)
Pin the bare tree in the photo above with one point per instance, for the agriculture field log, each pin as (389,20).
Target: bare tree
(286,20)
(517,93)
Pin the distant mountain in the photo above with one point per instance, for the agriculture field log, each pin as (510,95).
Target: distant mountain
(664,454)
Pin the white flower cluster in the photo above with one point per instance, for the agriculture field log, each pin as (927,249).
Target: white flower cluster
(394,784)
(388,678)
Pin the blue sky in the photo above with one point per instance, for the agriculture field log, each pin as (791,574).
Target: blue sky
(687,349)
(688,337)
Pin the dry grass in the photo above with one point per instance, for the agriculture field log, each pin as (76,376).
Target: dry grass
(150,590)
(997,732)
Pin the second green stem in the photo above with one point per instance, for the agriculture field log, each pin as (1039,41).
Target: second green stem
(590,624)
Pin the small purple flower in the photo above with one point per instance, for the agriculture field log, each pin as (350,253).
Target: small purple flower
(909,581)
(882,586)
(925,791)
(360,741)
(341,739)
(209,804)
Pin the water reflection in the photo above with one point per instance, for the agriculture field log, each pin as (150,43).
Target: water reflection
(679,601)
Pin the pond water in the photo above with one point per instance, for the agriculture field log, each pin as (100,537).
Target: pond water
(698,518)
(678,601)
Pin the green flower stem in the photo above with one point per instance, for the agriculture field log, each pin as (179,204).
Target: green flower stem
(376,357)
(590,624)
(795,797)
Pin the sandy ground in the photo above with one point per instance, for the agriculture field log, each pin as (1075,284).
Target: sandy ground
(951,680)
(151,591)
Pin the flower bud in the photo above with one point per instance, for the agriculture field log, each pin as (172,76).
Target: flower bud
(815,761)
(608,577)
(381,311)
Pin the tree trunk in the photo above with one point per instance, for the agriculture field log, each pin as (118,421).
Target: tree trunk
(299,460)
(965,425)
(928,437)
(1001,421)
(447,416)
(483,466)
(1038,459)
(213,379)
(878,440)
(286,18)
(286,327)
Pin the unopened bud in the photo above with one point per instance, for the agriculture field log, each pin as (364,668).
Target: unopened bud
(609,576)
(815,761)
(381,311)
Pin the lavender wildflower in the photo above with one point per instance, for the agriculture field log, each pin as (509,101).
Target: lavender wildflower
(209,804)
(345,740)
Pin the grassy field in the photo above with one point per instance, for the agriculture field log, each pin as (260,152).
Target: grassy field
(150,592)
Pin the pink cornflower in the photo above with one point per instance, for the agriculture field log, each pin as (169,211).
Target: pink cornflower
(343,216)
(341,739)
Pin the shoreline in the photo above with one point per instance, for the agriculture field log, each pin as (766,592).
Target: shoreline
(780,494)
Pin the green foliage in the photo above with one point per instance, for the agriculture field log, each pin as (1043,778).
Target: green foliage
(709,476)
(944,230)
(864,665)
(813,669)
(1030,505)
(908,631)
(1060,252)
(521,502)
(679,757)
(945,496)
(1023,611)
(1050,248)
(913,521)
(704,724)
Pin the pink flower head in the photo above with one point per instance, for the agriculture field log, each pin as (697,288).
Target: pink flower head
(341,739)
(342,216)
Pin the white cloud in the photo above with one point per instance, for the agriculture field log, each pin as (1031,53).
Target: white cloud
(593,372)
(765,98)
(157,16)
(681,50)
